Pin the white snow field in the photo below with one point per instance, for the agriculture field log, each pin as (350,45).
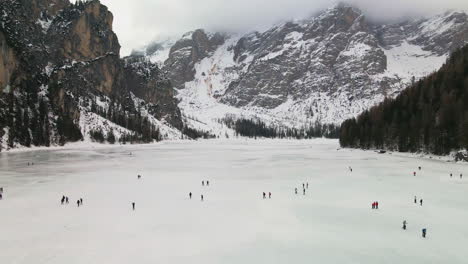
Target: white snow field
(332,223)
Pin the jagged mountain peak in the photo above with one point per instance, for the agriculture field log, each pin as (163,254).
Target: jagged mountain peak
(325,68)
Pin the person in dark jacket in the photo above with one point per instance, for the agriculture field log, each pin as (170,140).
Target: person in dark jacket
(190,195)
(424,231)
(404,225)
(421,202)
(133,206)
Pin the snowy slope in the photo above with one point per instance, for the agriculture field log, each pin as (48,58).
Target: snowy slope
(323,69)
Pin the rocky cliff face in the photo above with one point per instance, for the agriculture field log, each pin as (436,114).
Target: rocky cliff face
(62,79)
(325,68)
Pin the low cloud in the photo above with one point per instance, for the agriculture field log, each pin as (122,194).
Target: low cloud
(139,22)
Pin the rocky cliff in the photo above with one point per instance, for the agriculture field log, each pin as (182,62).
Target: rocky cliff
(326,68)
(62,79)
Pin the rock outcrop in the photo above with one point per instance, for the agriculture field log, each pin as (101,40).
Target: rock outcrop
(63,80)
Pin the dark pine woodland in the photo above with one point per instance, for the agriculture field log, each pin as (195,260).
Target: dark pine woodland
(431,115)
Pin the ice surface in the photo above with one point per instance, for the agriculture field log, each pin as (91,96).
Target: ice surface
(333,223)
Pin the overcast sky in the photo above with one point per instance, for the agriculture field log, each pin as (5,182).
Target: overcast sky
(138,22)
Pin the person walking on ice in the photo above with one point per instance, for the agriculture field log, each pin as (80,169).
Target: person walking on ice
(415,200)
(421,202)
(295,190)
(190,195)
(203,183)
(424,231)
(201,197)
(307,185)
(264,195)
(404,225)
(461,176)
(269,195)
(414,173)
(303,191)
(133,206)
(207,183)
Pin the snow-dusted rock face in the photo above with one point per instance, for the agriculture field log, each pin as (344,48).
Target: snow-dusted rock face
(61,78)
(326,68)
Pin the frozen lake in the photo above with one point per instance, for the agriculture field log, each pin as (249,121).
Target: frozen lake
(332,223)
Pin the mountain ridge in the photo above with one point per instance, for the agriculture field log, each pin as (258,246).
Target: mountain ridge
(323,69)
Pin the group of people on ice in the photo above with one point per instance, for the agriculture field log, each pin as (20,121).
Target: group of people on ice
(304,187)
(65,200)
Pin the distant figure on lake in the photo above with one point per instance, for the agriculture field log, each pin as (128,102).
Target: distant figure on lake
(350,169)
(414,173)
(451,175)
(203,183)
(415,200)
(269,195)
(78,203)
(133,206)
(264,195)
(62,201)
(139,176)
(190,195)
(376,205)
(421,202)
(81,201)
(202,197)
(66,199)
(207,183)
(303,191)
(419,167)
(404,225)
(295,190)
(424,231)
(307,185)
(461,176)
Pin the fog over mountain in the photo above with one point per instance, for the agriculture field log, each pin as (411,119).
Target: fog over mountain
(138,22)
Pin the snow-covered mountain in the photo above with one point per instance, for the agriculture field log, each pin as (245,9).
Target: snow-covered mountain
(325,68)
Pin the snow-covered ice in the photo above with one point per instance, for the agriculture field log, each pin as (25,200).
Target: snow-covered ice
(332,223)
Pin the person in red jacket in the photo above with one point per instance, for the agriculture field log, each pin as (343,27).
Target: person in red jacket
(376,205)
